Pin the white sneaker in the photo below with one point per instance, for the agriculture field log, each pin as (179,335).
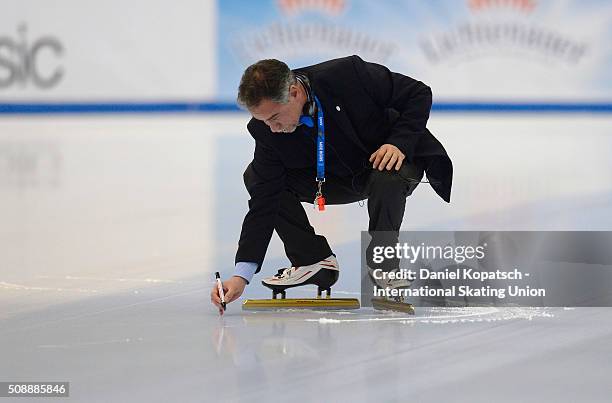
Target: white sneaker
(323,274)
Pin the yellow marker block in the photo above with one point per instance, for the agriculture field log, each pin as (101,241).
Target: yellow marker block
(305,303)
(382,304)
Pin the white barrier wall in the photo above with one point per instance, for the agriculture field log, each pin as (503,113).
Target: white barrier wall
(113,50)
(196,50)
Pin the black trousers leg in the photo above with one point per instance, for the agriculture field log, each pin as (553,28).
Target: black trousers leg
(302,245)
(386,192)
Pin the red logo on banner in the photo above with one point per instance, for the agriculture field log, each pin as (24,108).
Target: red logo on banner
(525,6)
(331,7)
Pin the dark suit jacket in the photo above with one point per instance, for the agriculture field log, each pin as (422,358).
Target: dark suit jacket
(377,107)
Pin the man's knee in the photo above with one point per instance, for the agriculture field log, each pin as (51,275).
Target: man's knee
(403,181)
(250,181)
(248,178)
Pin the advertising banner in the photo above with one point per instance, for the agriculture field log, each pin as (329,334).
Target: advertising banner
(75,51)
(466,50)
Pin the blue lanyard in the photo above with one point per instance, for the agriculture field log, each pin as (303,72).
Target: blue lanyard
(319,199)
(320,143)
(320,151)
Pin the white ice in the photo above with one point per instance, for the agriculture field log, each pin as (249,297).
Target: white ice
(111,228)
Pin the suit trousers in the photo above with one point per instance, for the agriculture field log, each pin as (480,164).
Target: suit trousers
(385,191)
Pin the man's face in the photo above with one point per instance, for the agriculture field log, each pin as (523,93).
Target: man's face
(281,118)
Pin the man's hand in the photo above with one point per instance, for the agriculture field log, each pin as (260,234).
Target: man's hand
(232,289)
(387,156)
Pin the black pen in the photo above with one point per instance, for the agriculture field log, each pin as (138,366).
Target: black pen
(220,287)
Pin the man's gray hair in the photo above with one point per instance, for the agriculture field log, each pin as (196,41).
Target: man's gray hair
(267,79)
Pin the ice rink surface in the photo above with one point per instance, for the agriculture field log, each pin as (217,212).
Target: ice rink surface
(112,227)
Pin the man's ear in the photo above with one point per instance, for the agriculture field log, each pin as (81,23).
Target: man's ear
(293,90)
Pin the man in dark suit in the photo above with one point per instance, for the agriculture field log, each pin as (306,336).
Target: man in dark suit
(376,147)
